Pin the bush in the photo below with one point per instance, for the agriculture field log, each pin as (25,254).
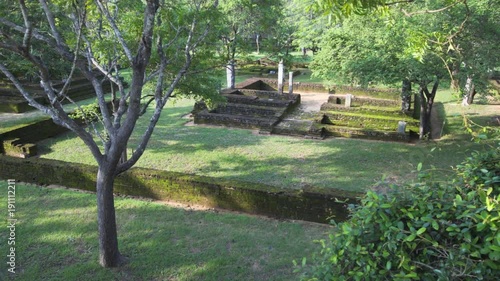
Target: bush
(87,113)
(481,170)
(427,231)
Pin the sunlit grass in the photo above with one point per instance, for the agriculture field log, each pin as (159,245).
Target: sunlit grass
(56,239)
(452,113)
(286,162)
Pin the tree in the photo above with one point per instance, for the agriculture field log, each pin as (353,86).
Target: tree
(416,43)
(469,30)
(363,50)
(308,23)
(161,42)
(476,49)
(243,20)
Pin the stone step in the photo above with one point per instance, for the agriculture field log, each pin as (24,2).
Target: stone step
(251,100)
(249,110)
(360,101)
(204,117)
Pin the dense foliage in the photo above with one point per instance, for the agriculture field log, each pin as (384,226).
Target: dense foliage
(427,231)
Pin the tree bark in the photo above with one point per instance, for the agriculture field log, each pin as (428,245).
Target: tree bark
(469,92)
(424,119)
(426,103)
(455,82)
(405,95)
(109,255)
(231,81)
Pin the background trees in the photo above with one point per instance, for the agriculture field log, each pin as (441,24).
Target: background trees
(420,43)
(243,20)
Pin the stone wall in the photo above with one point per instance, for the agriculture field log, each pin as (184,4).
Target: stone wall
(20,142)
(311,204)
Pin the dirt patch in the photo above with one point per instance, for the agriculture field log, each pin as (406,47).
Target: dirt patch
(311,102)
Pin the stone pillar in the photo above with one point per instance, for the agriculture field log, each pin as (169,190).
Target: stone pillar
(280,77)
(230,75)
(401,127)
(290,82)
(348,100)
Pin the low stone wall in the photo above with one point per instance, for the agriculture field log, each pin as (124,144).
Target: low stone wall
(349,132)
(360,101)
(21,141)
(17,148)
(240,121)
(250,100)
(11,100)
(391,121)
(294,98)
(249,110)
(311,204)
(297,86)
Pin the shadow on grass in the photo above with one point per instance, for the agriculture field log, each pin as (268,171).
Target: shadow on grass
(58,232)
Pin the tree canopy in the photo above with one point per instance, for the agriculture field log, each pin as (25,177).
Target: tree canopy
(163,44)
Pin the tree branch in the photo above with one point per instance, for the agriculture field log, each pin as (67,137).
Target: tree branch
(55,115)
(116,30)
(159,105)
(430,11)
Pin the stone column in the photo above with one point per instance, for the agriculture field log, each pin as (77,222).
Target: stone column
(290,82)
(230,75)
(401,127)
(280,77)
(348,100)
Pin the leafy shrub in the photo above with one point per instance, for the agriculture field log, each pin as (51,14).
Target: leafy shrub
(87,113)
(481,170)
(427,231)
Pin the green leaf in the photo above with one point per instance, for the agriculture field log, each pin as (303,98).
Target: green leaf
(411,237)
(419,166)
(421,230)
(435,225)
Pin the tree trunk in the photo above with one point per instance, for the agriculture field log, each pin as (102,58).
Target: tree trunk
(426,103)
(455,83)
(424,118)
(109,255)
(406,96)
(231,74)
(469,92)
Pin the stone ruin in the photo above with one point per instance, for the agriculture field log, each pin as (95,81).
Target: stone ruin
(263,104)
(365,117)
(21,141)
(11,101)
(252,105)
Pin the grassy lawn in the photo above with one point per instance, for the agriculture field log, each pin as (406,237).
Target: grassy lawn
(276,160)
(56,239)
(452,112)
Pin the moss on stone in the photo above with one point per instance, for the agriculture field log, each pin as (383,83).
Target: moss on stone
(313,204)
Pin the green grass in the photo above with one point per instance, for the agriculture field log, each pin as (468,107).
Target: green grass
(56,239)
(452,113)
(306,77)
(18,121)
(276,160)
